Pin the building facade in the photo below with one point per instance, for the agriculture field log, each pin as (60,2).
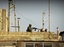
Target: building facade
(2,19)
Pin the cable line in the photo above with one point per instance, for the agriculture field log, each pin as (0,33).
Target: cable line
(27,18)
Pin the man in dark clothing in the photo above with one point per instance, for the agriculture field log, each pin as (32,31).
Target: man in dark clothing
(29,29)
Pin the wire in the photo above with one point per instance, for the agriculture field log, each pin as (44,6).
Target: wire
(27,18)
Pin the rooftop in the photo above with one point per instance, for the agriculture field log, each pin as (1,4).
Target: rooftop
(38,36)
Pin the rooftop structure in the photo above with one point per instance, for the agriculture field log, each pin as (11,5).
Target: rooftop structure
(44,36)
(2,19)
(26,39)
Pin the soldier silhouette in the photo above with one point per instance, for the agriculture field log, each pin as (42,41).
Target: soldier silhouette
(29,28)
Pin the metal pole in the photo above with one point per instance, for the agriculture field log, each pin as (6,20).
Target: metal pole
(43,19)
(57,31)
(9,17)
(15,23)
(49,18)
(11,2)
(15,17)
(49,15)
(18,25)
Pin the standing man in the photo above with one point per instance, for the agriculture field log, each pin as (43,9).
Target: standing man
(29,28)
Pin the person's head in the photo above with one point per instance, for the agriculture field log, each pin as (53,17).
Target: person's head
(57,27)
(30,25)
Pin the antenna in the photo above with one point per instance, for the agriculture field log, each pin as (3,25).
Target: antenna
(15,16)
(43,20)
(18,24)
(49,15)
(49,18)
(11,5)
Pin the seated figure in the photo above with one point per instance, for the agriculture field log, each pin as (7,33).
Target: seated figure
(29,28)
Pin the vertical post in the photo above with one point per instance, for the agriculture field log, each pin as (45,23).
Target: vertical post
(43,44)
(11,5)
(43,20)
(3,19)
(57,31)
(18,25)
(49,15)
(15,17)
(9,17)
(49,18)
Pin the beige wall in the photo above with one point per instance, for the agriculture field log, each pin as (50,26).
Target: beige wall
(54,44)
(2,19)
(20,44)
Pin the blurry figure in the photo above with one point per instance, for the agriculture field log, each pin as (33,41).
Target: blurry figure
(42,30)
(45,30)
(29,28)
(57,31)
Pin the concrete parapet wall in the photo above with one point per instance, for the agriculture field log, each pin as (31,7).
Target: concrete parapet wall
(46,36)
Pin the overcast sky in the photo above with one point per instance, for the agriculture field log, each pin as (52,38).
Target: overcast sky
(30,12)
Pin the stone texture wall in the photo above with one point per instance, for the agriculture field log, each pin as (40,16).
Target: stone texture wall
(2,19)
(45,36)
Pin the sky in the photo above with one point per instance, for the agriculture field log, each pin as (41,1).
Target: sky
(30,12)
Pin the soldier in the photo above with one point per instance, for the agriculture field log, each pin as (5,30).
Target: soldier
(45,30)
(42,30)
(29,28)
